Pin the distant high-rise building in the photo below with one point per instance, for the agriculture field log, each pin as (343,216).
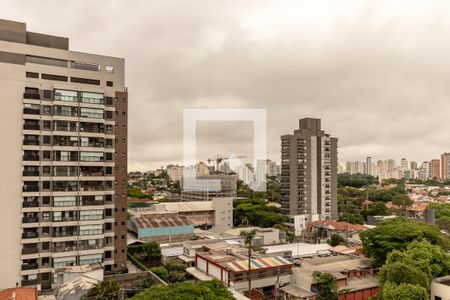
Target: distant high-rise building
(206,188)
(435,170)
(225,167)
(271,168)
(404,164)
(390,165)
(413,165)
(308,173)
(175,172)
(63,158)
(201,169)
(445,166)
(369,167)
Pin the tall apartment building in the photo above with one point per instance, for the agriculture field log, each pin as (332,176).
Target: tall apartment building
(308,173)
(435,169)
(63,158)
(369,166)
(445,166)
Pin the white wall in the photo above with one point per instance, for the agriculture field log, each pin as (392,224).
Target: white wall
(440,290)
(12,89)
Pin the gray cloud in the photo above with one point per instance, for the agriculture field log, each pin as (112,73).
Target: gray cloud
(375,72)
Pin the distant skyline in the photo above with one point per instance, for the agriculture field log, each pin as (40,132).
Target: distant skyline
(375,73)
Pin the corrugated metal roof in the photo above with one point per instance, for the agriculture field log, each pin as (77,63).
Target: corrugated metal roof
(258,263)
(157,221)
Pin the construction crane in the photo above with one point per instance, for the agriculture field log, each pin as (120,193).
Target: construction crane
(220,158)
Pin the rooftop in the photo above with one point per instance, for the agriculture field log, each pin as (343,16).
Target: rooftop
(19,294)
(161,220)
(300,249)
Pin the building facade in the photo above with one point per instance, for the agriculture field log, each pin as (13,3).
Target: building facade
(445,166)
(63,157)
(208,187)
(308,173)
(435,169)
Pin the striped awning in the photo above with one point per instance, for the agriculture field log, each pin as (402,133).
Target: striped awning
(258,263)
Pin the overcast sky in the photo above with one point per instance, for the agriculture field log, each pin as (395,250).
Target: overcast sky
(376,72)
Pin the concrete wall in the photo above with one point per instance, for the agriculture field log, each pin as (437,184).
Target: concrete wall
(12,82)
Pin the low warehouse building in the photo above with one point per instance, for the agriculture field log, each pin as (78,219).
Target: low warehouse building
(161,228)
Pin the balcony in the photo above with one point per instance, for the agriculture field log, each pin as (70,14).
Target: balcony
(30,204)
(30,266)
(30,235)
(31,142)
(30,250)
(31,188)
(31,111)
(30,173)
(30,219)
(64,233)
(31,96)
(29,126)
(92,202)
(65,219)
(31,157)
(29,282)
(67,248)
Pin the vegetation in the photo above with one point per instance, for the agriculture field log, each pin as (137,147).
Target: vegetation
(256,212)
(336,240)
(148,252)
(272,193)
(171,272)
(327,286)
(206,290)
(403,201)
(409,273)
(442,212)
(356,180)
(108,289)
(135,192)
(397,235)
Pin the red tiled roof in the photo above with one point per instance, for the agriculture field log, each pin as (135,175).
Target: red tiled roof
(20,294)
(339,225)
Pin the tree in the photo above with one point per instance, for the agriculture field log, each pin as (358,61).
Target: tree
(248,241)
(398,234)
(207,290)
(327,286)
(377,209)
(392,291)
(351,218)
(161,272)
(108,289)
(356,180)
(147,252)
(256,213)
(336,240)
(403,201)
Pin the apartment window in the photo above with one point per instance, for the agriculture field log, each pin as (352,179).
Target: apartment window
(46,215)
(109,100)
(91,215)
(46,61)
(91,229)
(47,94)
(47,125)
(108,114)
(91,259)
(91,156)
(108,156)
(46,140)
(32,75)
(46,154)
(62,201)
(91,113)
(66,95)
(61,262)
(92,98)
(46,200)
(85,80)
(109,69)
(85,66)
(109,83)
(54,77)
(46,185)
(46,170)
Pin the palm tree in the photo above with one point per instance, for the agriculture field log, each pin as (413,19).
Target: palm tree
(248,240)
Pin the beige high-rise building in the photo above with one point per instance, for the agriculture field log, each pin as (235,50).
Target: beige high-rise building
(435,169)
(308,173)
(445,166)
(63,158)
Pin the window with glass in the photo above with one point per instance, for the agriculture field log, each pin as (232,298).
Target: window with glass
(59,201)
(67,111)
(61,262)
(94,113)
(91,229)
(91,259)
(91,215)
(91,156)
(92,98)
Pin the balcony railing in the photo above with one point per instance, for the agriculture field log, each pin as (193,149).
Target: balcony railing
(30,204)
(30,250)
(30,235)
(31,126)
(65,219)
(31,142)
(29,282)
(31,111)
(31,189)
(64,248)
(30,173)
(92,202)
(31,157)
(31,96)
(30,266)
(64,233)
(30,219)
